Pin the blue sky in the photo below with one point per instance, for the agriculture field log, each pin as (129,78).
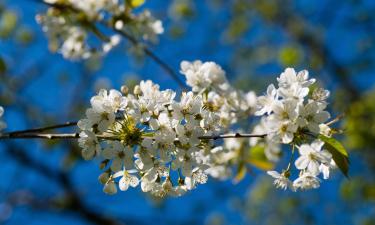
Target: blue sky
(200,42)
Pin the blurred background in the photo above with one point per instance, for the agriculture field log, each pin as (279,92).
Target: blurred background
(47,182)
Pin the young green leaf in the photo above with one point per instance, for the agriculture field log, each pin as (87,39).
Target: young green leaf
(258,159)
(241,172)
(136,3)
(339,154)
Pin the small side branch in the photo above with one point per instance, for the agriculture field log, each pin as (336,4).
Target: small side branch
(38,136)
(42,129)
(153,56)
(236,135)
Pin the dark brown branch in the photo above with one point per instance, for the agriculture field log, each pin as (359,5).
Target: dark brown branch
(42,129)
(38,136)
(18,135)
(152,55)
(236,135)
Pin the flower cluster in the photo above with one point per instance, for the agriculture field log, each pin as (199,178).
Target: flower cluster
(294,114)
(219,96)
(71,26)
(165,143)
(3,125)
(148,134)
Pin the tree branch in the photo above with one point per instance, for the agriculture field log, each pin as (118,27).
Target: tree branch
(41,129)
(127,36)
(38,136)
(152,55)
(236,135)
(23,135)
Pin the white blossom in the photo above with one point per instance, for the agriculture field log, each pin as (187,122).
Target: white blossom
(201,76)
(153,137)
(311,156)
(311,116)
(265,103)
(306,181)
(121,156)
(68,36)
(89,144)
(126,179)
(281,181)
(289,78)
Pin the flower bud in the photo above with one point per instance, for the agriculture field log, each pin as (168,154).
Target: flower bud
(110,188)
(124,89)
(325,130)
(137,90)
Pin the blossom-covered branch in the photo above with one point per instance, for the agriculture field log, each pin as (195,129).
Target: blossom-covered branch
(69,25)
(166,143)
(35,135)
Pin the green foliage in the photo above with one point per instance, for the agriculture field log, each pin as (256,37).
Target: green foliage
(339,154)
(258,159)
(135,3)
(360,123)
(24,35)
(289,56)
(8,23)
(254,156)
(358,189)
(237,28)
(267,8)
(240,173)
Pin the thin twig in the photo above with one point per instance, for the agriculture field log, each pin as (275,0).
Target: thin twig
(335,120)
(236,135)
(22,135)
(38,136)
(42,129)
(51,136)
(151,54)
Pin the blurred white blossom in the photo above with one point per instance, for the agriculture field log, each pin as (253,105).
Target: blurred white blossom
(71,26)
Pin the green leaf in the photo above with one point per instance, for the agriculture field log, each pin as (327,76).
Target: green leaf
(136,3)
(8,23)
(241,172)
(334,143)
(339,154)
(258,159)
(290,55)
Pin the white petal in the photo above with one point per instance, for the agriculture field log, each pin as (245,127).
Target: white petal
(123,184)
(301,163)
(134,181)
(313,167)
(274,174)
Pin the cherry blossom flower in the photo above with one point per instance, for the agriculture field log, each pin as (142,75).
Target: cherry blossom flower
(311,156)
(281,181)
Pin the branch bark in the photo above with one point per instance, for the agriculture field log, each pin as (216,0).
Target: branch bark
(23,135)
